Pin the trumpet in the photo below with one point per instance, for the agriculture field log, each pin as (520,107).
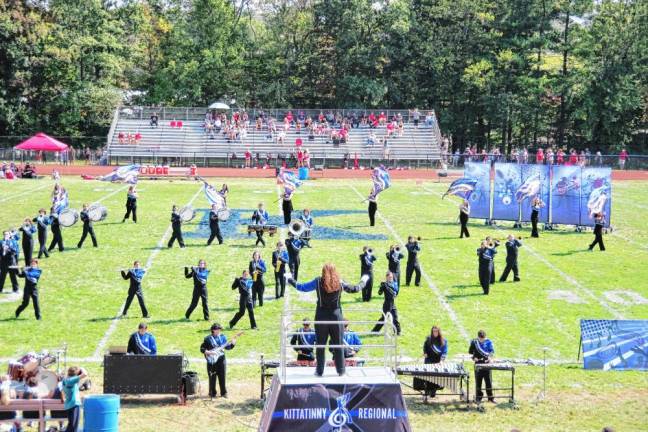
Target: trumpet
(494,243)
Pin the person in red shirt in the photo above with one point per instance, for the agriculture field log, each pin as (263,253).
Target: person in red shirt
(138,138)
(300,157)
(573,157)
(382,118)
(540,156)
(289,117)
(248,159)
(356,162)
(623,156)
(121,137)
(560,157)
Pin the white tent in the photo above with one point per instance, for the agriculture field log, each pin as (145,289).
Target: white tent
(219,106)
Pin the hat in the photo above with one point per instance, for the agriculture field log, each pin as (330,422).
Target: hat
(216,326)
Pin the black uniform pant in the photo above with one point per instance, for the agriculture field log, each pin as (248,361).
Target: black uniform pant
(484,277)
(29,294)
(198,294)
(215,234)
(534,225)
(176,235)
(463,219)
(28,251)
(259,239)
(217,370)
(366,291)
(4,271)
(244,303)
(258,288)
(329,332)
(413,267)
(287,208)
(510,265)
(294,266)
(280,284)
(394,313)
(140,299)
(396,274)
(57,239)
(42,242)
(73,416)
(492,272)
(373,207)
(129,211)
(598,239)
(88,230)
(482,375)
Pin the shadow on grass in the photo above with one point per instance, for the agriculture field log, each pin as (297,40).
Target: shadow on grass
(169,321)
(102,319)
(570,252)
(456,296)
(416,405)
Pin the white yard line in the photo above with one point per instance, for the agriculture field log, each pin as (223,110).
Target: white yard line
(10,197)
(564,275)
(111,194)
(632,242)
(440,297)
(154,253)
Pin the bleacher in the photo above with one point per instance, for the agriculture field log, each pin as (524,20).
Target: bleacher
(191,143)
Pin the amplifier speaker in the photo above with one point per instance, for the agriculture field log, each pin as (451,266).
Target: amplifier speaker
(141,374)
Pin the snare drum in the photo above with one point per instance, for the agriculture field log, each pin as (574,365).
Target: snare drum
(223,214)
(68,217)
(29,363)
(187,214)
(46,359)
(47,382)
(97,213)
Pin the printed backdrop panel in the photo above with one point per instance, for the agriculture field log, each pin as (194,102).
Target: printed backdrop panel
(508,178)
(530,175)
(596,194)
(480,199)
(566,195)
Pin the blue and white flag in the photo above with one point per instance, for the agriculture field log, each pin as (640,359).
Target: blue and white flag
(381,181)
(212,195)
(290,182)
(596,201)
(126,174)
(61,201)
(462,188)
(529,189)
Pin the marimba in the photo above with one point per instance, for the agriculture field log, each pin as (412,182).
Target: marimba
(452,376)
(270,229)
(499,366)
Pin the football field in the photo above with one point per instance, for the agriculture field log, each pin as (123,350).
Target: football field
(82,293)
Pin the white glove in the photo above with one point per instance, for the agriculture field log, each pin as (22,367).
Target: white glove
(364,278)
(288,275)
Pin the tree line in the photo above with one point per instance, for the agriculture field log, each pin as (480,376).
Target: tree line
(499,73)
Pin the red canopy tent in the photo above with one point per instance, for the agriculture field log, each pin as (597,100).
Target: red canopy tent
(42,142)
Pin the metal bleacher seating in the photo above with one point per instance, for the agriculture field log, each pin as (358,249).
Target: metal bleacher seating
(191,144)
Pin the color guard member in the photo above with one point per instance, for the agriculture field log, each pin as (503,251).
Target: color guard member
(599,223)
(176,226)
(367,259)
(512,246)
(87,227)
(413,267)
(131,204)
(199,275)
(214,228)
(464,216)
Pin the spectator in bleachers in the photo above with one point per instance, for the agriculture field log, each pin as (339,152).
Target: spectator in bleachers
(138,137)
(391,128)
(560,156)
(373,121)
(218,124)
(382,119)
(549,156)
(121,137)
(281,137)
(330,117)
(300,157)
(298,127)
(153,122)
(573,157)
(598,159)
(259,123)
(401,128)
(623,157)
(385,145)
(371,139)
(289,117)
(335,138)
(248,159)
(540,157)
(484,156)
(455,158)
(172,123)
(416,116)
(321,118)
(301,117)
(344,134)
(429,119)
(306,158)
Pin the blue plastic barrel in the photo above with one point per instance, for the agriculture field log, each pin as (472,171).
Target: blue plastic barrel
(101,413)
(303,173)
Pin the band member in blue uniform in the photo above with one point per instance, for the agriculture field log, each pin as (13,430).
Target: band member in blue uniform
(294,246)
(305,336)
(87,227)
(329,287)
(244,285)
(372,209)
(214,347)
(464,216)
(512,246)
(494,244)
(257,269)
(389,289)
(57,235)
(214,228)
(28,229)
(352,342)
(482,351)
(280,260)
(308,221)
(42,222)
(8,259)
(536,205)
(599,223)
(260,217)
(367,259)
(435,350)
(176,227)
(131,204)
(413,267)
(199,275)
(394,257)
(485,253)
(31,275)
(135,275)
(287,207)
(142,342)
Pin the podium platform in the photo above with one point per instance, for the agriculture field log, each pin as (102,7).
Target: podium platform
(364,399)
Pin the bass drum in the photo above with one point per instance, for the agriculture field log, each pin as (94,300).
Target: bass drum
(68,217)
(223,214)
(187,214)
(46,382)
(97,213)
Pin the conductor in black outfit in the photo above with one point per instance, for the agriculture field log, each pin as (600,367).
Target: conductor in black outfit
(287,207)
(599,223)
(329,289)
(512,246)
(87,227)
(57,236)
(176,227)
(135,275)
(213,226)
(367,259)
(199,275)
(464,215)
(131,204)
(413,248)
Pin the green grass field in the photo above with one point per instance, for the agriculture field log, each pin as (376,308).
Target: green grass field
(82,292)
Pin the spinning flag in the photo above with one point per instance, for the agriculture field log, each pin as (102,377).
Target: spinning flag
(381,181)
(597,199)
(289,181)
(60,201)
(462,188)
(529,189)
(126,174)
(212,195)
